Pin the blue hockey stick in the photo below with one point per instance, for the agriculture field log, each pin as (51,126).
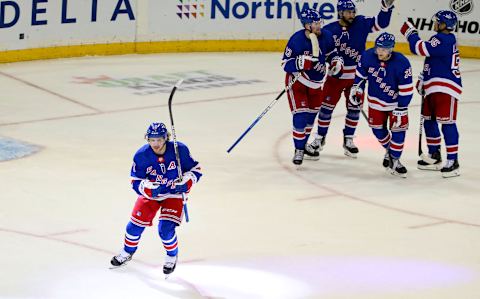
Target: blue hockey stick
(264,112)
(175,146)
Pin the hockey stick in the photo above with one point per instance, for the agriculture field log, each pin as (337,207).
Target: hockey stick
(175,146)
(364,114)
(421,154)
(263,113)
(315,46)
(315,53)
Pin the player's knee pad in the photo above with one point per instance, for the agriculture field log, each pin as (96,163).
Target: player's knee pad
(380,133)
(311,117)
(326,111)
(300,120)
(450,132)
(166,229)
(134,230)
(398,137)
(431,128)
(353,113)
(351,107)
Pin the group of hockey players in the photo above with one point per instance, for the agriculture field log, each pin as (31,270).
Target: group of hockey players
(344,66)
(317,83)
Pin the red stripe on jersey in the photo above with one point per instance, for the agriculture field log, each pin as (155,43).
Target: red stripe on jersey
(372,101)
(408,89)
(445,84)
(421,50)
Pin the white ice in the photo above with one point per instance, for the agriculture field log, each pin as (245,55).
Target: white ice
(259,228)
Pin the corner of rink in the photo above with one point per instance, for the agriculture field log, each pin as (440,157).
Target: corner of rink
(11,149)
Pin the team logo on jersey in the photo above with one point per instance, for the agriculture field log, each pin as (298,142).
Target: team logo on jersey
(461,7)
(172,166)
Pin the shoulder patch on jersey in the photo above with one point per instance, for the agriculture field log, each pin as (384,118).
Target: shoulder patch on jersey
(288,52)
(408,73)
(435,42)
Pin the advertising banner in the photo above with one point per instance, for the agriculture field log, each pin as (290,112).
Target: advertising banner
(50,23)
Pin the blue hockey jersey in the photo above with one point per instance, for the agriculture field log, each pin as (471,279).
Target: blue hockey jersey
(350,41)
(389,82)
(300,44)
(149,168)
(441,70)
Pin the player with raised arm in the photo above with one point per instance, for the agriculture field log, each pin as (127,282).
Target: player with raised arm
(390,90)
(304,96)
(440,84)
(350,33)
(155,179)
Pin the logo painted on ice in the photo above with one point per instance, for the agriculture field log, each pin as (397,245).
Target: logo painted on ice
(243,9)
(462,7)
(153,84)
(11,149)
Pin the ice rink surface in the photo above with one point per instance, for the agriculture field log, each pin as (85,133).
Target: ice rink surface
(259,227)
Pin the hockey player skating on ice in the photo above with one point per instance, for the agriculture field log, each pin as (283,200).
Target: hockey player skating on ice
(350,33)
(154,174)
(390,90)
(304,96)
(441,85)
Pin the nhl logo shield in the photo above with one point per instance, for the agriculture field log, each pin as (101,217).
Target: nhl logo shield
(461,7)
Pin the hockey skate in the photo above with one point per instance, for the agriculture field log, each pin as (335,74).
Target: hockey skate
(396,168)
(351,150)
(298,157)
(318,143)
(451,169)
(170,264)
(425,165)
(386,160)
(120,259)
(311,153)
